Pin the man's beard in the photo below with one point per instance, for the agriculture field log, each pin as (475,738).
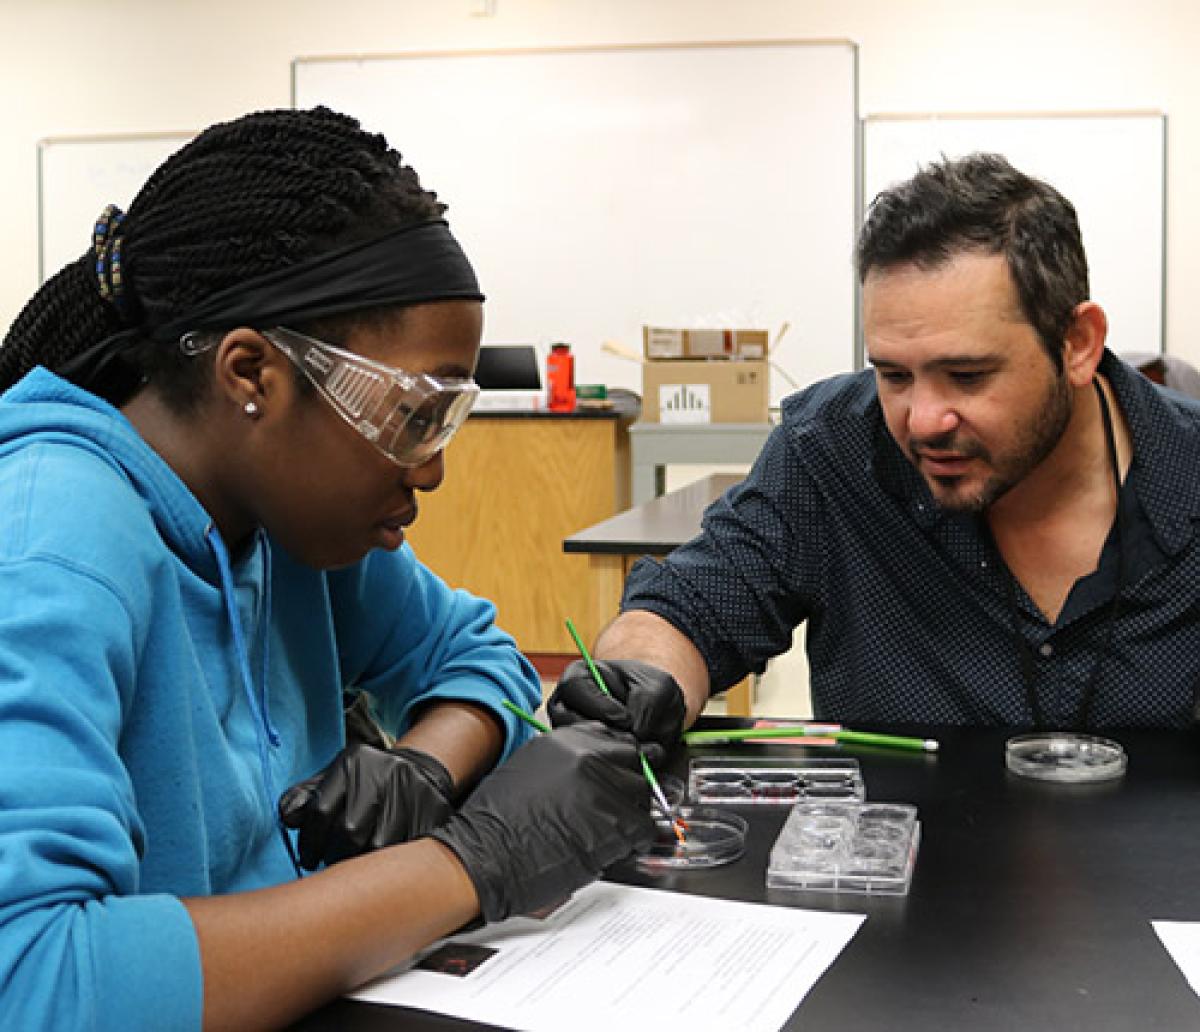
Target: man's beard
(1038,441)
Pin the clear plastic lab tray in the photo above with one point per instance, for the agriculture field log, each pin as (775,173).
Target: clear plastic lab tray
(768,780)
(846,847)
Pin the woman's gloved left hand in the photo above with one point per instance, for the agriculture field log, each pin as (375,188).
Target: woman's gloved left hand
(365,799)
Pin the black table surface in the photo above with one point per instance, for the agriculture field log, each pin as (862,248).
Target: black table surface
(657,526)
(1030,904)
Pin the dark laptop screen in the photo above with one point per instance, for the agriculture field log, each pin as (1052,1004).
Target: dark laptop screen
(508,367)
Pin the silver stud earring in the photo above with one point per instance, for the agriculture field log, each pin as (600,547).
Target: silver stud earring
(250,409)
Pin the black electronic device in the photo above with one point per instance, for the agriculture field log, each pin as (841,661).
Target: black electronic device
(509,378)
(508,367)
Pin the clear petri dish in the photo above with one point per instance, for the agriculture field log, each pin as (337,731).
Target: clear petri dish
(712,837)
(1065,756)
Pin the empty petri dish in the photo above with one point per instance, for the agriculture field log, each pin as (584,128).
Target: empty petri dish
(1064,756)
(712,837)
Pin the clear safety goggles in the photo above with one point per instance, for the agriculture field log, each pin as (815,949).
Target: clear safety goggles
(410,417)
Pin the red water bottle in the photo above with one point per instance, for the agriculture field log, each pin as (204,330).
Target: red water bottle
(560,377)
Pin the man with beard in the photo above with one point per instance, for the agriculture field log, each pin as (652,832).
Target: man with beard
(995,525)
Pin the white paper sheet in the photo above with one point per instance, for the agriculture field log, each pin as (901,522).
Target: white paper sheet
(618,957)
(1182,940)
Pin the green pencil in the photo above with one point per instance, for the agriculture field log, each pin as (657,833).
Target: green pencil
(526,716)
(655,787)
(749,734)
(891,741)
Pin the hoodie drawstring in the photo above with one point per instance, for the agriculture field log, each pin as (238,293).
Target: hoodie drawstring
(265,733)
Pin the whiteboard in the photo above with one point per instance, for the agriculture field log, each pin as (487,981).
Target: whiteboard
(79,175)
(599,189)
(1111,166)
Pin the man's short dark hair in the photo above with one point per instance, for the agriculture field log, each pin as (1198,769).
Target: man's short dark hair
(981,204)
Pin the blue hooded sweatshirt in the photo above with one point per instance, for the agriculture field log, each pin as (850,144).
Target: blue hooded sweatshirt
(156,698)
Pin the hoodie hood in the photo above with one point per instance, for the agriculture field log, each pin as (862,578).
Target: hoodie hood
(45,407)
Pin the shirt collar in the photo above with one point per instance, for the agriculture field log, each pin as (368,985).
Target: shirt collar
(1166,450)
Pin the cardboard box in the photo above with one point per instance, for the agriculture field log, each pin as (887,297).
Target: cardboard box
(661,343)
(689,391)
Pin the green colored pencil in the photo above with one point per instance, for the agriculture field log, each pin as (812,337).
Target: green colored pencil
(525,715)
(890,741)
(749,734)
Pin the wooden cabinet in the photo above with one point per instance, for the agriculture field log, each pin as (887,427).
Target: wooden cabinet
(515,487)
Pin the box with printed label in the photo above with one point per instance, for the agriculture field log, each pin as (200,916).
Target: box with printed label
(691,391)
(661,343)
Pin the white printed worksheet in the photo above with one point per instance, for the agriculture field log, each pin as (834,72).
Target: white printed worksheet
(616,956)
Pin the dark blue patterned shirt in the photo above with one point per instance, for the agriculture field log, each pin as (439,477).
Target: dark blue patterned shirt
(908,607)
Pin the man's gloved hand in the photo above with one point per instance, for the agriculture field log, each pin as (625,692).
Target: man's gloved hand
(646,700)
(365,799)
(566,805)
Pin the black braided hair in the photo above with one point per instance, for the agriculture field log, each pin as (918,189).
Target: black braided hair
(242,199)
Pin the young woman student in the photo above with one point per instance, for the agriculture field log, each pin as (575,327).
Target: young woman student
(215,427)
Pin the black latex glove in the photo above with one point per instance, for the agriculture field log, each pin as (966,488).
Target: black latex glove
(646,700)
(565,806)
(365,799)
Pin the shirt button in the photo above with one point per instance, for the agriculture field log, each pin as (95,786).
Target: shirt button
(1046,649)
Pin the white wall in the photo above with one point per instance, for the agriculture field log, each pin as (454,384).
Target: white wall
(103,66)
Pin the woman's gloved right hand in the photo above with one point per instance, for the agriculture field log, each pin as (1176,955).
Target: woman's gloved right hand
(565,806)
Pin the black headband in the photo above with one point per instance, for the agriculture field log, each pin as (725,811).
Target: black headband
(417,263)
